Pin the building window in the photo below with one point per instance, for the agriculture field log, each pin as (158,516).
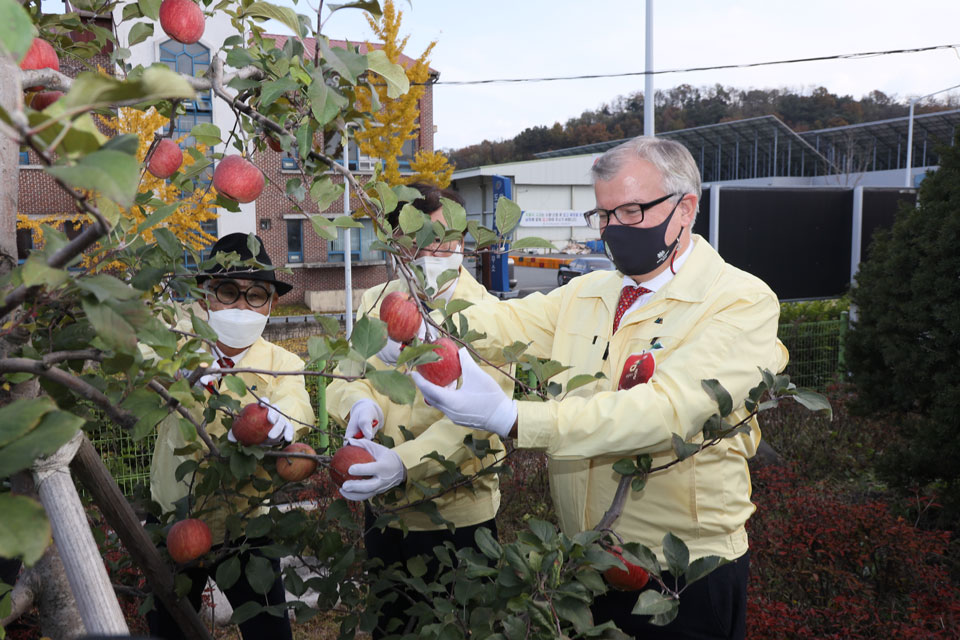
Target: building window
(193,60)
(210,228)
(24,244)
(407,153)
(295,241)
(289,164)
(24,157)
(360,240)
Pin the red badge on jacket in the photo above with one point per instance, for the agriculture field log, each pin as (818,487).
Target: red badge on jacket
(638,369)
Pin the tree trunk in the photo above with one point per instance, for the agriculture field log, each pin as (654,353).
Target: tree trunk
(45,586)
(90,470)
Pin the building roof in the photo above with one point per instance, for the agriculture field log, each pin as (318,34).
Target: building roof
(309,45)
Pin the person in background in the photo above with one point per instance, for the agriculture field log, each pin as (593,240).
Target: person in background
(238,301)
(367,414)
(673,314)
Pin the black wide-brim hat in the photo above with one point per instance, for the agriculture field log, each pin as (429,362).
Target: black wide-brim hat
(239,243)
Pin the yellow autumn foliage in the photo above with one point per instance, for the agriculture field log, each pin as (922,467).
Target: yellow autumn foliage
(185,222)
(385,132)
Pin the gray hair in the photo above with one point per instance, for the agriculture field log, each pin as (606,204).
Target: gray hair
(677,168)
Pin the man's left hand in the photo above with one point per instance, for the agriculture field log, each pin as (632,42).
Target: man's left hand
(282,430)
(386,471)
(479,403)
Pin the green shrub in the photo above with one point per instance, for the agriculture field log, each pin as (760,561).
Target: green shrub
(903,349)
(813,310)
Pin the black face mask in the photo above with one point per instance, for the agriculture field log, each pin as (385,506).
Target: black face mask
(636,251)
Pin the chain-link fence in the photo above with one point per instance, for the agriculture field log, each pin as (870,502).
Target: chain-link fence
(816,351)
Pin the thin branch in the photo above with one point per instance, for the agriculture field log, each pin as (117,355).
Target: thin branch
(175,404)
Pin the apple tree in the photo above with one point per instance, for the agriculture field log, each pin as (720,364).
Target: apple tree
(100,327)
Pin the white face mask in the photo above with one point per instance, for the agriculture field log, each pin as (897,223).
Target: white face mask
(433,266)
(237,328)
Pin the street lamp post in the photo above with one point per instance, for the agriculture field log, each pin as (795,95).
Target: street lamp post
(648,129)
(908,177)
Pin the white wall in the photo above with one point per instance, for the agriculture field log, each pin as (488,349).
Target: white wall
(217,29)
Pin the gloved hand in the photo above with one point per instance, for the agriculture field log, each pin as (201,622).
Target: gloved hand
(282,430)
(387,471)
(366,418)
(479,403)
(211,377)
(391,352)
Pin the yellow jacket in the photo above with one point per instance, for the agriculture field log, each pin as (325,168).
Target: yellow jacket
(712,321)
(287,393)
(432,430)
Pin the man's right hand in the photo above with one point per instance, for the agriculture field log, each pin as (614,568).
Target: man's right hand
(366,418)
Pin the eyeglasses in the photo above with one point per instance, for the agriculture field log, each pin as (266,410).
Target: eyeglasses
(229,291)
(626,214)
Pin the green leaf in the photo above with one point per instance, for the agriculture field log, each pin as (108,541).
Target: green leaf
(651,602)
(21,416)
(150,8)
(411,353)
(325,102)
(543,530)
(158,216)
(126,143)
(284,15)
(349,64)
(206,133)
(411,219)
(370,6)
(111,327)
(454,215)
(36,272)
(393,384)
(580,380)
(720,395)
(272,90)
(113,173)
(487,544)
(683,449)
(54,430)
(388,199)
(531,242)
(248,609)
(236,386)
(397,81)
(323,227)
(149,409)
(16,30)
(625,466)
(168,243)
(325,193)
(507,215)
(446,276)
(346,222)
(140,32)
(417,566)
(24,529)
(369,336)
(814,402)
(702,566)
(228,572)
(105,287)
(158,82)
(575,611)
(676,553)
(239,57)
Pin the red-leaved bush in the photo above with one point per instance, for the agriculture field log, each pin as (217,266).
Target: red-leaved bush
(829,565)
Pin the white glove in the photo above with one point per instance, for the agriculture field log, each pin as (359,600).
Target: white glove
(479,403)
(391,352)
(282,430)
(366,418)
(211,376)
(387,471)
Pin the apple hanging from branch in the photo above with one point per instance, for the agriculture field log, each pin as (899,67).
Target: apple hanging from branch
(296,469)
(402,315)
(238,179)
(188,540)
(182,20)
(445,370)
(343,459)
(251,426)
(166,159)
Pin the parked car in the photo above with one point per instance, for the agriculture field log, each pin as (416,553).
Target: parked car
(580,266)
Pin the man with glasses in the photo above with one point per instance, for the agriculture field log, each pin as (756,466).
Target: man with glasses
(238,300)
(673,314)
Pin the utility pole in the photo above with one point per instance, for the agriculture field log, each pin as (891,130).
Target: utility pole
(648,76)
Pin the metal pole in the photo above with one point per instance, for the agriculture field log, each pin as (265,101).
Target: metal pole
(648,129)
(856,238)
(907,179)
(348,245)
(715,217)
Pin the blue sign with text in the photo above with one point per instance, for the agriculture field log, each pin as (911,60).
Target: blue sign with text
(499,271)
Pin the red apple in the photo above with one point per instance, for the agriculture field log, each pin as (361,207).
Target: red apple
(296,469)
(251,426)
(273,143)
(166,159)
(402,315)
(182,20)
(633,579)
(44,99)
(238,179)
(188,540)
(445,370)
(40,55)
(343,459)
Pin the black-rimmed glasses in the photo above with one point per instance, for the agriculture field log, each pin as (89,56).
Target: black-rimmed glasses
(229,291)
(626,214)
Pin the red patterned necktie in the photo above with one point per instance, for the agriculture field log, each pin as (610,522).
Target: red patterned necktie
(224,363)
(628,295)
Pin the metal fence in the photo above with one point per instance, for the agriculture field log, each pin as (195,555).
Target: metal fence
(816,357)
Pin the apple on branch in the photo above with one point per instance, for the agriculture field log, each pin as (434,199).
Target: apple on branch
(296,469)
(445,370)
(251,426)
(44,99)
(343,459)
(166,159)
(182,20)
(188,540)
(40,55)
(238,179)
(633,578)
(402,315)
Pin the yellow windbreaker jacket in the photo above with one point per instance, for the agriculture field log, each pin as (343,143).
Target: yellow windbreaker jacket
(432,430)
(287,393)
(710,321)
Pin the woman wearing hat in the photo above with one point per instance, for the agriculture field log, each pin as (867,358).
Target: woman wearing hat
(238,301)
